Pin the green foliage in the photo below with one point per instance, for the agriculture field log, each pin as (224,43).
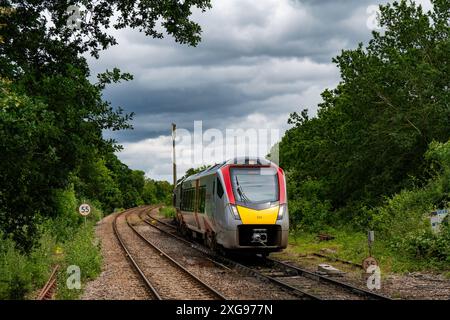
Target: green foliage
(168,212)
(403,221)
(15,279)
(427,246)
(371,133)
(404,240)
(51,115)
(376,155)
(405,212)
(306,210)
(26,128)
(53,154)
(82,251)
(157,192)
(48,31)
(21,274)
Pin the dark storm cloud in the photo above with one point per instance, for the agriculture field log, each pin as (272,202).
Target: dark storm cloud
(156,110)
(257,62)
(217,94)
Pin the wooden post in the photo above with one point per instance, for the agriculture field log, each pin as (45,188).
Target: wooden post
(174,128)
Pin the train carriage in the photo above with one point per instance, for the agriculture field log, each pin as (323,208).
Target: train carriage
(239,205)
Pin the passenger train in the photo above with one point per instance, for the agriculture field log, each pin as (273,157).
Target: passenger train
(238,205)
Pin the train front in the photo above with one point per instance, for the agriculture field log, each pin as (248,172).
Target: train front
(257,208)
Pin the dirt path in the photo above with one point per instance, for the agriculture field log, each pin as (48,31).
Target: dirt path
(117,281)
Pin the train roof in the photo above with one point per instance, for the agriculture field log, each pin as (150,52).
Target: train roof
(237,161)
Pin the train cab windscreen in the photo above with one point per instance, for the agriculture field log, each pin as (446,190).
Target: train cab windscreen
(255,185)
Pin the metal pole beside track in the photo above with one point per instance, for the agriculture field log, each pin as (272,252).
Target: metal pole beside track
(174,128)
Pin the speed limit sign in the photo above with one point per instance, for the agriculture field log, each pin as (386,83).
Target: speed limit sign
(84,209)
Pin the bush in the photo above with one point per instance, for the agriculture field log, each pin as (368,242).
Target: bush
(15,278)
(306,210)
(21,273)
(404,219)
(404,213)
(426,245)
(81,251)
(168,212)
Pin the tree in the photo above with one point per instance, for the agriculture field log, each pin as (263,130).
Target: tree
(371,132)
(155,192)
(52,116)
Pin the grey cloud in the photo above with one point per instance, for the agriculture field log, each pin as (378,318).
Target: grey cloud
(267,57)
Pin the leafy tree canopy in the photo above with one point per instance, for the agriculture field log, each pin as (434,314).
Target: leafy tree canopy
(52,116)
(371,132)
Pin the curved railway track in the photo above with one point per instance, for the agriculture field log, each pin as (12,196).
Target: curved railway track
(302,282)
(144,279)
(158,269)
(223,261)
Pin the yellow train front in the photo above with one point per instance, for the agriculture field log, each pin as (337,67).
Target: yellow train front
(238,205)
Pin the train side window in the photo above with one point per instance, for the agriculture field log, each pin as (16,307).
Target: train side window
(192,200)
(184,200)
(201,199)
(219,188)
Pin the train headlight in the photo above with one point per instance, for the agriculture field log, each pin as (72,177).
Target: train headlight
(235,212)
(282,211)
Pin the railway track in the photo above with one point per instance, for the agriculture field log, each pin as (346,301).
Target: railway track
(228,263)
(151,289)
(49,288)
(303,283)
(164,277)
(322,284)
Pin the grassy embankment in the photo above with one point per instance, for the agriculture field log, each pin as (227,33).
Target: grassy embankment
(66,240)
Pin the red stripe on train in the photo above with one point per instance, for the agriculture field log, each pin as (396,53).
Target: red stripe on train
(281,185)
(227,180)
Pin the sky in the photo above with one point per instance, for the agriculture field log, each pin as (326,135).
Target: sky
(259,60)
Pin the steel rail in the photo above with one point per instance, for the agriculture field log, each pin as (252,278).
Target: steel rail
(335,282)
(174,262)
(351,263)
(300,271)
(228,262)
(148,284)
(49,287)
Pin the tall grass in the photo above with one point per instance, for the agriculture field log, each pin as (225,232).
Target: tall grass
(65,240)
(168,212)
